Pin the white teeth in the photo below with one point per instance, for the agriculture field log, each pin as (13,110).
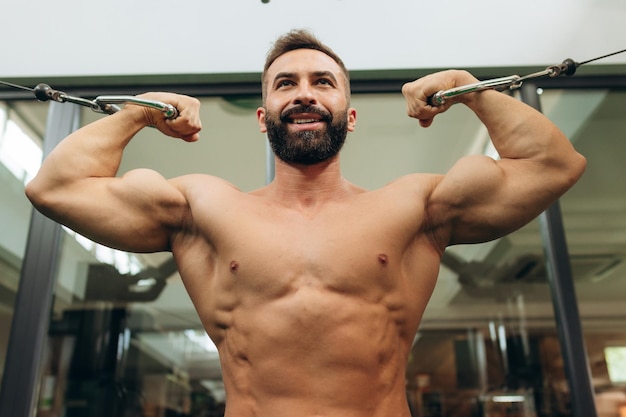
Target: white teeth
(301,121)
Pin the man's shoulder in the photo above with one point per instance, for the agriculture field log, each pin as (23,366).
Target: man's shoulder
(423,183)
(208,194)
(404,199)
(203,182)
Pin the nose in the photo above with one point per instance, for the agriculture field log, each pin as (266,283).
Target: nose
(305,95)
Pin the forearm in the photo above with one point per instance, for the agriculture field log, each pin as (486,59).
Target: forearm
(517,130)
(528,143)
(94,150)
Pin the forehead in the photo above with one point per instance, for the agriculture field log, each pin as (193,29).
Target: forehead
(303,61)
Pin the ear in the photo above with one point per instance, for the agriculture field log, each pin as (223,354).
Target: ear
(351,119)
(260,116)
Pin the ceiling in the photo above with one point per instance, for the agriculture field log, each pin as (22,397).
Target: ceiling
(388,144)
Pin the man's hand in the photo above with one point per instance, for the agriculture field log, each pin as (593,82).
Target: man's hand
(186,126)
(418,92)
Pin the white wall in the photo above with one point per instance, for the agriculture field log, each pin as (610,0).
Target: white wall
(118,37)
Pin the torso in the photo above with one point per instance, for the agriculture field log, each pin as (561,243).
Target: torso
(313,313)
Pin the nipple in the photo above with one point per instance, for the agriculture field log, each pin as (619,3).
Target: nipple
(383,259)
(234,266)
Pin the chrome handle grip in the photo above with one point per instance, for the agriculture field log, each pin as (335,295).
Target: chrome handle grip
(501,84)
(108,104)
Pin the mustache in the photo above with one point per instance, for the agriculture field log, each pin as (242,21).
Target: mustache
(326,116)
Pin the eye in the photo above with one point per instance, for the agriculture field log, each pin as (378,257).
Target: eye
(325,81)
(284,83)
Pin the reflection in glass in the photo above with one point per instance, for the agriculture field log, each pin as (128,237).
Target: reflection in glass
(20,155)
(615,357)
(488,342)
(595,221)
(116,344)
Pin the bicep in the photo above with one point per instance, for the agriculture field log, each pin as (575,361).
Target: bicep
(481,199)
(136,212)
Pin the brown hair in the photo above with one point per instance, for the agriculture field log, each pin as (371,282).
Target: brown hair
(300,39)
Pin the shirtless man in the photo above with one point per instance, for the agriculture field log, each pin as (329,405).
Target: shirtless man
(312,288)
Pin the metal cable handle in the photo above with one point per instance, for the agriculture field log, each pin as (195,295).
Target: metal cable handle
(567,67)
(109,102)
(101,104)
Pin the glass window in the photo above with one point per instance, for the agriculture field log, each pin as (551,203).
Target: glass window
(20,156)
(488,344)
(594,215)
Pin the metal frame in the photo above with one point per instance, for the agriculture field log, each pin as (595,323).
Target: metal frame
(390,84)
(34,296)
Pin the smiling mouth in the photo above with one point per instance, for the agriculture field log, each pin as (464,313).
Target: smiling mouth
(302,115)
(304,121)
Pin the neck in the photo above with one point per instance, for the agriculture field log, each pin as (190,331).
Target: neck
(307,186)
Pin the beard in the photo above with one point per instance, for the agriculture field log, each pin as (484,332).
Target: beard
(311,146)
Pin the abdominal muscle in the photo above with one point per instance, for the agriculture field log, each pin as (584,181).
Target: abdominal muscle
(312,353)
(333,344)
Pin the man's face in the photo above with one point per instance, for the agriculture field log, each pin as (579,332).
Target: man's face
(306,114)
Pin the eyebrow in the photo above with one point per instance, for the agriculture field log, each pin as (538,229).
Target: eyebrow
(317,74)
